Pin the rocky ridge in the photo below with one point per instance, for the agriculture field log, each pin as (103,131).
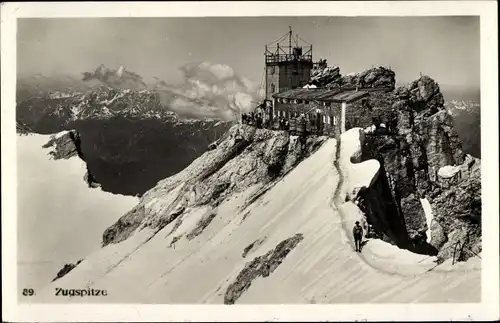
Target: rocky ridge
(376,77)
(261,266)
(413,160)
(245,157)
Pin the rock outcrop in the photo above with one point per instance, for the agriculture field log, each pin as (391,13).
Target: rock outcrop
(418,160)
(425,93)
(327,77)
(22,129)
(377,77)
(261,266)
(66,269)
(456,204)
(65,145)
(245,157)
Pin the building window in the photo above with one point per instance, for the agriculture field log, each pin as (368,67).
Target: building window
(334,120)
(272,69)
(306,102)
(272,88)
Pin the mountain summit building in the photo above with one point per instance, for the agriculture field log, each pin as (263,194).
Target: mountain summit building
(289,94)
(287,67)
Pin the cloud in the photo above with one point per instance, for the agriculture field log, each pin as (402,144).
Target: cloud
(120,78)
(209,90)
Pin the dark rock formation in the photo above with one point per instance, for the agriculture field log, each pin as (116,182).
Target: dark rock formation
(456,204)
(66,145)
(245,156)
(327,77)
(383,213)
(425,93)
(252,246)
(22,129)
(66,269)
(377,77)
(125,226)
(174,240)
(261,266)
(411,158)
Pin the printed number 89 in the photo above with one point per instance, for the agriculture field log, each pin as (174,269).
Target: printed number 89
(28,292)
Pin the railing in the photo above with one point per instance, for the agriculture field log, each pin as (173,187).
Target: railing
(458,252)
(461,247)
(455,258)
(287,57)
(294,128)
(377,133)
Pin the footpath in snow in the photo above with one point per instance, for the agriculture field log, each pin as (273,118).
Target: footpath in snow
(377,253)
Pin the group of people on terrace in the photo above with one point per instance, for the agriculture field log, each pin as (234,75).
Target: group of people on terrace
(296,124)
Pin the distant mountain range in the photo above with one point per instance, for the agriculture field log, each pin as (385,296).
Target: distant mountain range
(58,108)
(130,139)
(454,93)
(467,123)
(457,93)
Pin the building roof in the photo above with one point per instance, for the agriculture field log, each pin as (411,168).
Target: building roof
(337,95)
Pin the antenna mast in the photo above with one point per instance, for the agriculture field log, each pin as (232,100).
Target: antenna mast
(290,41)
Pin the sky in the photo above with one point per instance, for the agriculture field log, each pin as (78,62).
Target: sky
(445,48)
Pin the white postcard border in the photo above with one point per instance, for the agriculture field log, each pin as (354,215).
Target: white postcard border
(488,309)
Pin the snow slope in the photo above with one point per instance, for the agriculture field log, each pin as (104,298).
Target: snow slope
(428,216)
(60,219)
(322,268)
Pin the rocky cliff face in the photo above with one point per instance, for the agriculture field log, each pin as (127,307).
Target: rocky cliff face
(377,77)
(245,157)
(416,158)
(65,145)
(329,76)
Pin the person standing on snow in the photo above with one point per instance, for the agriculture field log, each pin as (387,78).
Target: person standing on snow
(357,232)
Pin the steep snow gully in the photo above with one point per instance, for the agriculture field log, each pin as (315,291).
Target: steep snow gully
(293,246)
